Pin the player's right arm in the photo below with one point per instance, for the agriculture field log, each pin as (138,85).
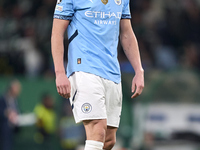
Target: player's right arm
(57,49)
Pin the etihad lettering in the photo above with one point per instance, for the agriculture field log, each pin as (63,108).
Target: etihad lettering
(98,14)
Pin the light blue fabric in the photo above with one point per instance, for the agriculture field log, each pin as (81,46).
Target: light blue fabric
(93,35)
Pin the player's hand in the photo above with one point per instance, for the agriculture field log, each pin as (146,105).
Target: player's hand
(12,116)
(63,85)
(137,84)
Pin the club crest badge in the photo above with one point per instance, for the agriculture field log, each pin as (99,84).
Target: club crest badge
(104,1)
(86,108)
(118,2)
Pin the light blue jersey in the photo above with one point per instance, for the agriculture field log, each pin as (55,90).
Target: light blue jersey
(93,35)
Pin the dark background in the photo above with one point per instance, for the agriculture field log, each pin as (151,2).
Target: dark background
(168,34)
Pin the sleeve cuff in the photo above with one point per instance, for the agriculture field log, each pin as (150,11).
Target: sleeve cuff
(62,17)
(126,16)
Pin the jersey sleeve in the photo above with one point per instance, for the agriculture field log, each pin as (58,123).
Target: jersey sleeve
(64,10)
(126,10)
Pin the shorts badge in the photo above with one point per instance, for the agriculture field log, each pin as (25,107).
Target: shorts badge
(104,1)
(86,108)
(118,2)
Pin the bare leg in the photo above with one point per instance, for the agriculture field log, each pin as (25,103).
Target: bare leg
(110,139)
(95,133)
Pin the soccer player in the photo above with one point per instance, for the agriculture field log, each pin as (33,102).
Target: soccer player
(93,81)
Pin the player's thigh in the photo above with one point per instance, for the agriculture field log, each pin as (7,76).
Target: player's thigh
(95,129)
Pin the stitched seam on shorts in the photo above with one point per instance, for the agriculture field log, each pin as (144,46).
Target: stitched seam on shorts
(73,99)
(74,96)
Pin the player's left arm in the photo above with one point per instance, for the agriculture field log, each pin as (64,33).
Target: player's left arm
(130,46)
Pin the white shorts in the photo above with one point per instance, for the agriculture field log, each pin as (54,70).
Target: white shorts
(93,97)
